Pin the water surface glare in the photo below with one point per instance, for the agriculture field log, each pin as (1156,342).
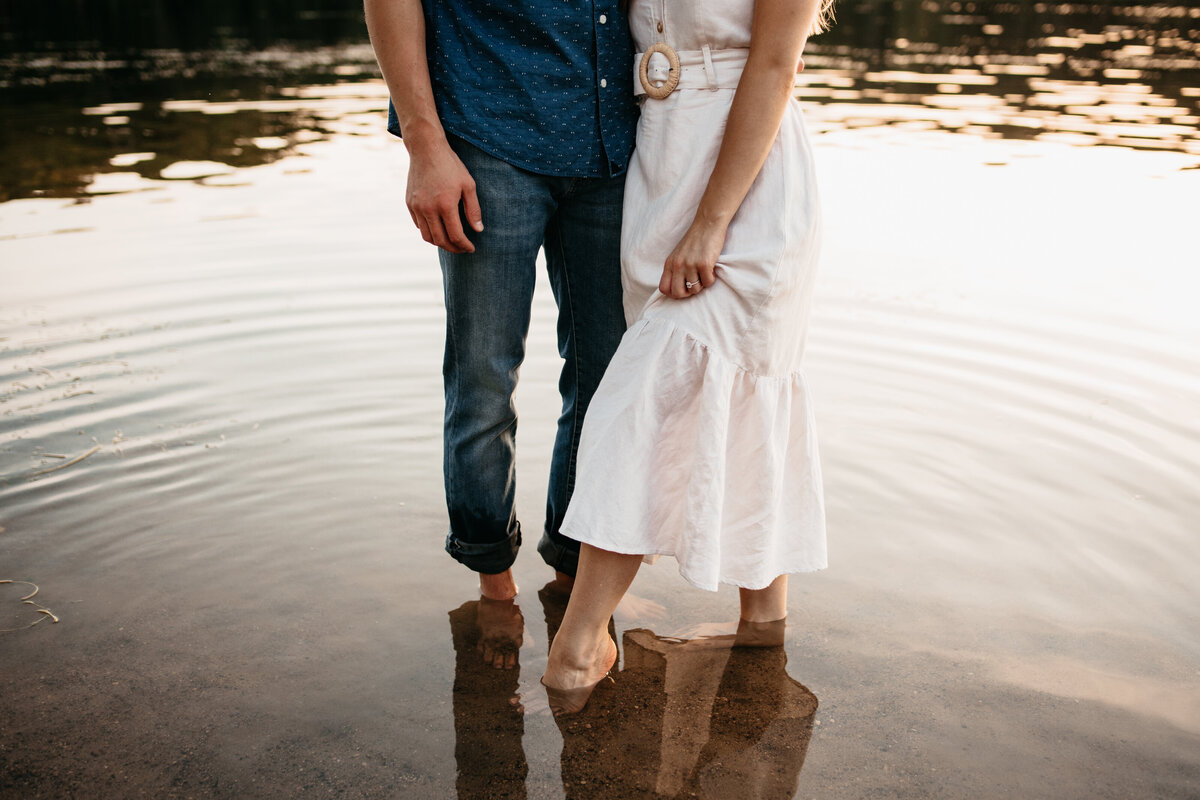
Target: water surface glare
(116,100)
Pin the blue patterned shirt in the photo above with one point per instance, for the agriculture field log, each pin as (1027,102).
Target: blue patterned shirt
(545,85)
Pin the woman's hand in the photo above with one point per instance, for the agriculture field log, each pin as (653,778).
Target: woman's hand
(780,30)
(692,264)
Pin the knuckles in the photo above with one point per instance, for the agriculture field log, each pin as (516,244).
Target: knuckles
(429,206)
(698,265)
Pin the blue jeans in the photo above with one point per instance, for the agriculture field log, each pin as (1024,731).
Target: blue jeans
(488,298)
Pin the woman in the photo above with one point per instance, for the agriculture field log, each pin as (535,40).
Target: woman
(699,442)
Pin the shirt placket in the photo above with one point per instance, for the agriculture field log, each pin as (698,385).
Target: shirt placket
(609,60)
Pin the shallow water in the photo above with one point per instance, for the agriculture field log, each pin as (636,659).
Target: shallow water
(248,572)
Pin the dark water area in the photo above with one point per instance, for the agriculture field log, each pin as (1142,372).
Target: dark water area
(81,83)
(126,26)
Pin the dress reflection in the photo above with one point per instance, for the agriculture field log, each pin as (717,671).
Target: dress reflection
(681,718)
(691,718)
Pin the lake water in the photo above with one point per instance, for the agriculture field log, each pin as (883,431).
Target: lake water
(209,287)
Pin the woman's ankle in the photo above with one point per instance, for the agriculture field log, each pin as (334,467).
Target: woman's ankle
(761,634)
(767,604)
(584,654)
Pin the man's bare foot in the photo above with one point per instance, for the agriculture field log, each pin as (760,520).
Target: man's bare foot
(568,686)
(563,582)
(500,586)
(501,631)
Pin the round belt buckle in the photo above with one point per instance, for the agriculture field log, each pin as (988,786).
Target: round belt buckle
(659,92)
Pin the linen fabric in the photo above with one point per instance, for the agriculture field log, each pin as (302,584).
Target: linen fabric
(541,84)
(700,441)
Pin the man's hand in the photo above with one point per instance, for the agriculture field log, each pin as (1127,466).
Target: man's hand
(437,184)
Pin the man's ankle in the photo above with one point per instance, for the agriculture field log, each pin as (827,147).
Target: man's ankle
(500,586)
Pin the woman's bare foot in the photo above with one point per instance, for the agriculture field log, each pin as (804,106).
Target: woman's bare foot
(569,685)
(500,586)
(760,634)
(718,635)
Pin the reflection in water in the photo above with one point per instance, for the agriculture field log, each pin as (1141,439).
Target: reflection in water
(691,718)
(77,99)
(78,147)
(682,718)
(501,629)
(1070,72)
(487,726)
(1010,383)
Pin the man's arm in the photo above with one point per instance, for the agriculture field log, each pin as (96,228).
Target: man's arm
(437,179)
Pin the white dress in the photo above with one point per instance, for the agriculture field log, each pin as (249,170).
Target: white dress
(700,442)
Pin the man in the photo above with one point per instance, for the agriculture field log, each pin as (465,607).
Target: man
(519,120)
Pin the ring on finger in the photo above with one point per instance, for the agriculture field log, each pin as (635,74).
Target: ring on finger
(689,285)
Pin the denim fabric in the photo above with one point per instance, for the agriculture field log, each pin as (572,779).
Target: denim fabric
(543,84)
(488,298)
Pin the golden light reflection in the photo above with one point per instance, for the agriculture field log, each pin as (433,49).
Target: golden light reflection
(1126,76)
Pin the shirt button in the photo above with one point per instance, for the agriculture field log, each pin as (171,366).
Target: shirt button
(603,83)
(603,18)
(660,27)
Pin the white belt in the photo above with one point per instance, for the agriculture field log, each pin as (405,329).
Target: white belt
(698,69)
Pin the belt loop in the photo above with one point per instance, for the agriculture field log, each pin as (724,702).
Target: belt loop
(710,72)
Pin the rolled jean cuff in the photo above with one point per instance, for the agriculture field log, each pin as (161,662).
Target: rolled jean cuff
(561,557)
(490,558)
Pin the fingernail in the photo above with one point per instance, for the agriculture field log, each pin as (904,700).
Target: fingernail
(478,227)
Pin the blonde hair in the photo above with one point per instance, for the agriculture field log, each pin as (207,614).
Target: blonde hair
(824,18)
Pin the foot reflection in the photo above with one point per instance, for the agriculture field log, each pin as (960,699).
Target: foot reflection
(702,717)
(501,629)
(487,726)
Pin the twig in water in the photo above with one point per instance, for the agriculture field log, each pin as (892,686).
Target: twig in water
(70,463)
(27,583)
(40,608)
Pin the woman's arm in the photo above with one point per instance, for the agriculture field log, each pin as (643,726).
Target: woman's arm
(437,179)
(779,32)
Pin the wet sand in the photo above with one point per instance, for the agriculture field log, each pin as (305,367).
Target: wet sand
(249,575)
